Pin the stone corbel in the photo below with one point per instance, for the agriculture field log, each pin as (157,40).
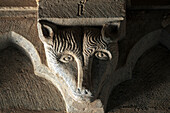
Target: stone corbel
(81,46)
(83,59)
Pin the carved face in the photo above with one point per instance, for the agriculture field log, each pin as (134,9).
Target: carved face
(83,56)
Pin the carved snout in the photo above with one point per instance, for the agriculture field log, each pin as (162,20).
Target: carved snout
(82,80)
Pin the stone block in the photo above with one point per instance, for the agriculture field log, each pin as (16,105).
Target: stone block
(23,22)
(18,3)
(87,12)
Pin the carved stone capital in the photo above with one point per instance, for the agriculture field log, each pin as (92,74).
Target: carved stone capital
(81,45)
(84,58)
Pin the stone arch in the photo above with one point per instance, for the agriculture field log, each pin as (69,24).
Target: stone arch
(21,43)
(41,70)
(152,39)
(26,47)
(12,38)
(149,40)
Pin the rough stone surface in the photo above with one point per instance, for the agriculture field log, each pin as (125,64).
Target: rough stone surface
(21,89)
(23,23)
(134,96)
(92,9)
(18,3)
(139,23)
(29,111)
(149,89)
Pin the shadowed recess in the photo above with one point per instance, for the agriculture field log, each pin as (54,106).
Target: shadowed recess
(150,2)
(21,89)
(149,88)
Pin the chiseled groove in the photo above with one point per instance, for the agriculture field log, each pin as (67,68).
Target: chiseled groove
(76,50)
(93,41)
(57,42)
(60,43)
(88,50)
(103,43)
(72,42)
(85,50)
(65,40)
(84,44)
(67,43)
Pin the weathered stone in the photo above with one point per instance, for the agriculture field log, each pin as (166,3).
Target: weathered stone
(73,25)
(23,22)
(91,9)
(149,89)
(79,38)
(18,3)
(74,54)
(21,90)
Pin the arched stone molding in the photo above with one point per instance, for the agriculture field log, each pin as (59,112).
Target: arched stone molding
(18,41)
(148,41)
(14,39)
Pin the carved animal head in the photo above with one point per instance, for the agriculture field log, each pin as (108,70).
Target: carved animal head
(84,56)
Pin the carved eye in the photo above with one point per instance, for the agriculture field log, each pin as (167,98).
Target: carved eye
(66,58)
(102,55)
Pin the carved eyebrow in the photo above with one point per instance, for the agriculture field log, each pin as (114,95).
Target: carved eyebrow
(65,41)
(93,41)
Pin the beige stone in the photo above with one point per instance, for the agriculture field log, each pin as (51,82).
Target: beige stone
(18,3)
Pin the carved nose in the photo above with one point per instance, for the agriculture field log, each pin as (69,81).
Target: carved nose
(80,75)
(82,82)
(83,92)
